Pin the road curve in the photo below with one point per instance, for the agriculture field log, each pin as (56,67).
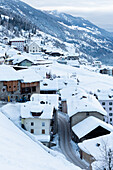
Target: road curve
(65,142)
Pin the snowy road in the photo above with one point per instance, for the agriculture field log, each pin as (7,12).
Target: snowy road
(65,142)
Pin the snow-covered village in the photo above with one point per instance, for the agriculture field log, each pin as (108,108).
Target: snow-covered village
(56,89)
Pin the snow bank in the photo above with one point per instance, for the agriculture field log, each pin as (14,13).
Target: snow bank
(19,152)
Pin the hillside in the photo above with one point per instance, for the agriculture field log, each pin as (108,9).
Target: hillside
(19,152)
(87,39)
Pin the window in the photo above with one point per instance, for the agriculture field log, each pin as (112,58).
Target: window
(60,98)
(32,123)
(9,87)
(87,113)
(103,103)
(43,123)
(42,102)
(110,119)
(98,144)
(104,108)
(110,108)
(32,130)
(110,114)
(43,131)
(34,89)
(110,103)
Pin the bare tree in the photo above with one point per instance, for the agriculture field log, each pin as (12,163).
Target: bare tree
(105,161)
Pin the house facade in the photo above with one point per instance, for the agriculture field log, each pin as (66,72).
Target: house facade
(79,106)
(27,89)
(78,117)
(25,62)
(37,126)
(18,86)
(108,106)
(33,48)
(106,100)
(51,99)
(95,150)
(30,83)
(37,119)
(92,128)
(18,43)
(9,83)
(9,90)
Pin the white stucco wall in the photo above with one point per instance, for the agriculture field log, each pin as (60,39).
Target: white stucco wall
(107,107)
(18,44)
(37,125)
(33,48)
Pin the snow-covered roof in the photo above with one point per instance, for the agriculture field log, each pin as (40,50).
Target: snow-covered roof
(19,58)
(34,42)
(40,69)
(27,108)
(43,62)
(12,52)
(18,39)
(88,125)
(48,84)
(66,82)
(47,98)
(105,94)
(43,138)
(29,75)
(7,73)
(83,102)
(96,146)
(61,70)
(68,91)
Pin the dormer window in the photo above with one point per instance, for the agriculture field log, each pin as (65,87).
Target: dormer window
(45,84)
(42,102)
(65,83)
(98,144)
(36,113)
(83,97)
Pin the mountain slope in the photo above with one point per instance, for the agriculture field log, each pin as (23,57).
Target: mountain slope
(19,152)
(88,39)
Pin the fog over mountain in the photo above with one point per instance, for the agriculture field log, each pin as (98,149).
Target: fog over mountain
(97,11)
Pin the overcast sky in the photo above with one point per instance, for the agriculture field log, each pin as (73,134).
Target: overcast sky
(100,12)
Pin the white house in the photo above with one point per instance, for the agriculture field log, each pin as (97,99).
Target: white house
(33,47)
(80,105)
(46,99)
(48,86)
(18,43)
(36,118)
(97,64)
(105,98)
(5,40)
(96,150)
(91,127)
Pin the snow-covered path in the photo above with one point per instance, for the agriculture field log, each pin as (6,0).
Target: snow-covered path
(65,142)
